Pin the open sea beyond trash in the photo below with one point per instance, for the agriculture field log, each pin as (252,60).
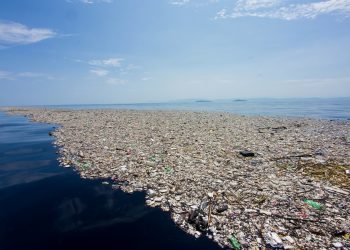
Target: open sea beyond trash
(322,108)
(45,206)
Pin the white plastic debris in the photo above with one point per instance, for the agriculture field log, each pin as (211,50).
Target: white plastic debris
(337,244)
(123,168)
(210,194)
(290,239)
(151,193)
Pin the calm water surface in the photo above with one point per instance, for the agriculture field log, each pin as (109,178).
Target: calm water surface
(331,108)
(44,206)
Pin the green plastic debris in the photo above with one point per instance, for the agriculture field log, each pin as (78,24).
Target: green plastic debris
(168,169)
(234,242)
(86,165)
(314,204)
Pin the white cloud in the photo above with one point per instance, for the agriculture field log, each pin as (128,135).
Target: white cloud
(115,81)
(90,1)
(277,9)
(256,4)
(146,78)
(112,62)
(194,3)
(99,72)
(12,33)
(132,67)
(115,62)
(30,74)
(319,81)
(180,2)
(111,70)
(4,75)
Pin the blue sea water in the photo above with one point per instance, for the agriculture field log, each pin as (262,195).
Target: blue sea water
(322,108)
(44,206)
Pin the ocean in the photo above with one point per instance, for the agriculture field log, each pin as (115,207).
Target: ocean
(320,108)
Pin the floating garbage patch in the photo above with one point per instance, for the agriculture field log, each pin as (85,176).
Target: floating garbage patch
(244,182)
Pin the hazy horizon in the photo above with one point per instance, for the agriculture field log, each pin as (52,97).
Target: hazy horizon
(190,100)
(118,52)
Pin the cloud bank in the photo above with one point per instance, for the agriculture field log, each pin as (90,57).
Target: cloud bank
(4,75)
(180,2)
(90,1)
(12,33)
(285,10)
(13,76)
(109,69)
(99,72)
(109,62)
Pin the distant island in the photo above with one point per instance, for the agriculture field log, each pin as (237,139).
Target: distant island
(203,101)
(240,100)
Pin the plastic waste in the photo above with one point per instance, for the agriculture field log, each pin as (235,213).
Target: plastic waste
(337,244)
(346,236)
(192,217)
(201,224)
(234,242)
(168,169)
(197,219)
(222,208)
(123,168)
(86,165)
(151,193)
(246,153)
(314,204)
(273,241)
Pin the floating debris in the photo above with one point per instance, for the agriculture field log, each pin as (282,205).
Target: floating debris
(246,153)
(314,204)
(222,208)
(168,169)
(273,241)
(337,245)
(294,193)
(151,193)
(234,242)
(123,168)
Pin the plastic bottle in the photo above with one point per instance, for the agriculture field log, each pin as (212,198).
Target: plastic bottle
(234,242)
(314,204)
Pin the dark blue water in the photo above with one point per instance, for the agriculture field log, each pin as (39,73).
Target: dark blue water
(323,108)
(44,206)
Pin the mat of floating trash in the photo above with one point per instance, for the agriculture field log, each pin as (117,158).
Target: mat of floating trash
(245,182)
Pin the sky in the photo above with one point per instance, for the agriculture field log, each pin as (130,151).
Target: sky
(132,51)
